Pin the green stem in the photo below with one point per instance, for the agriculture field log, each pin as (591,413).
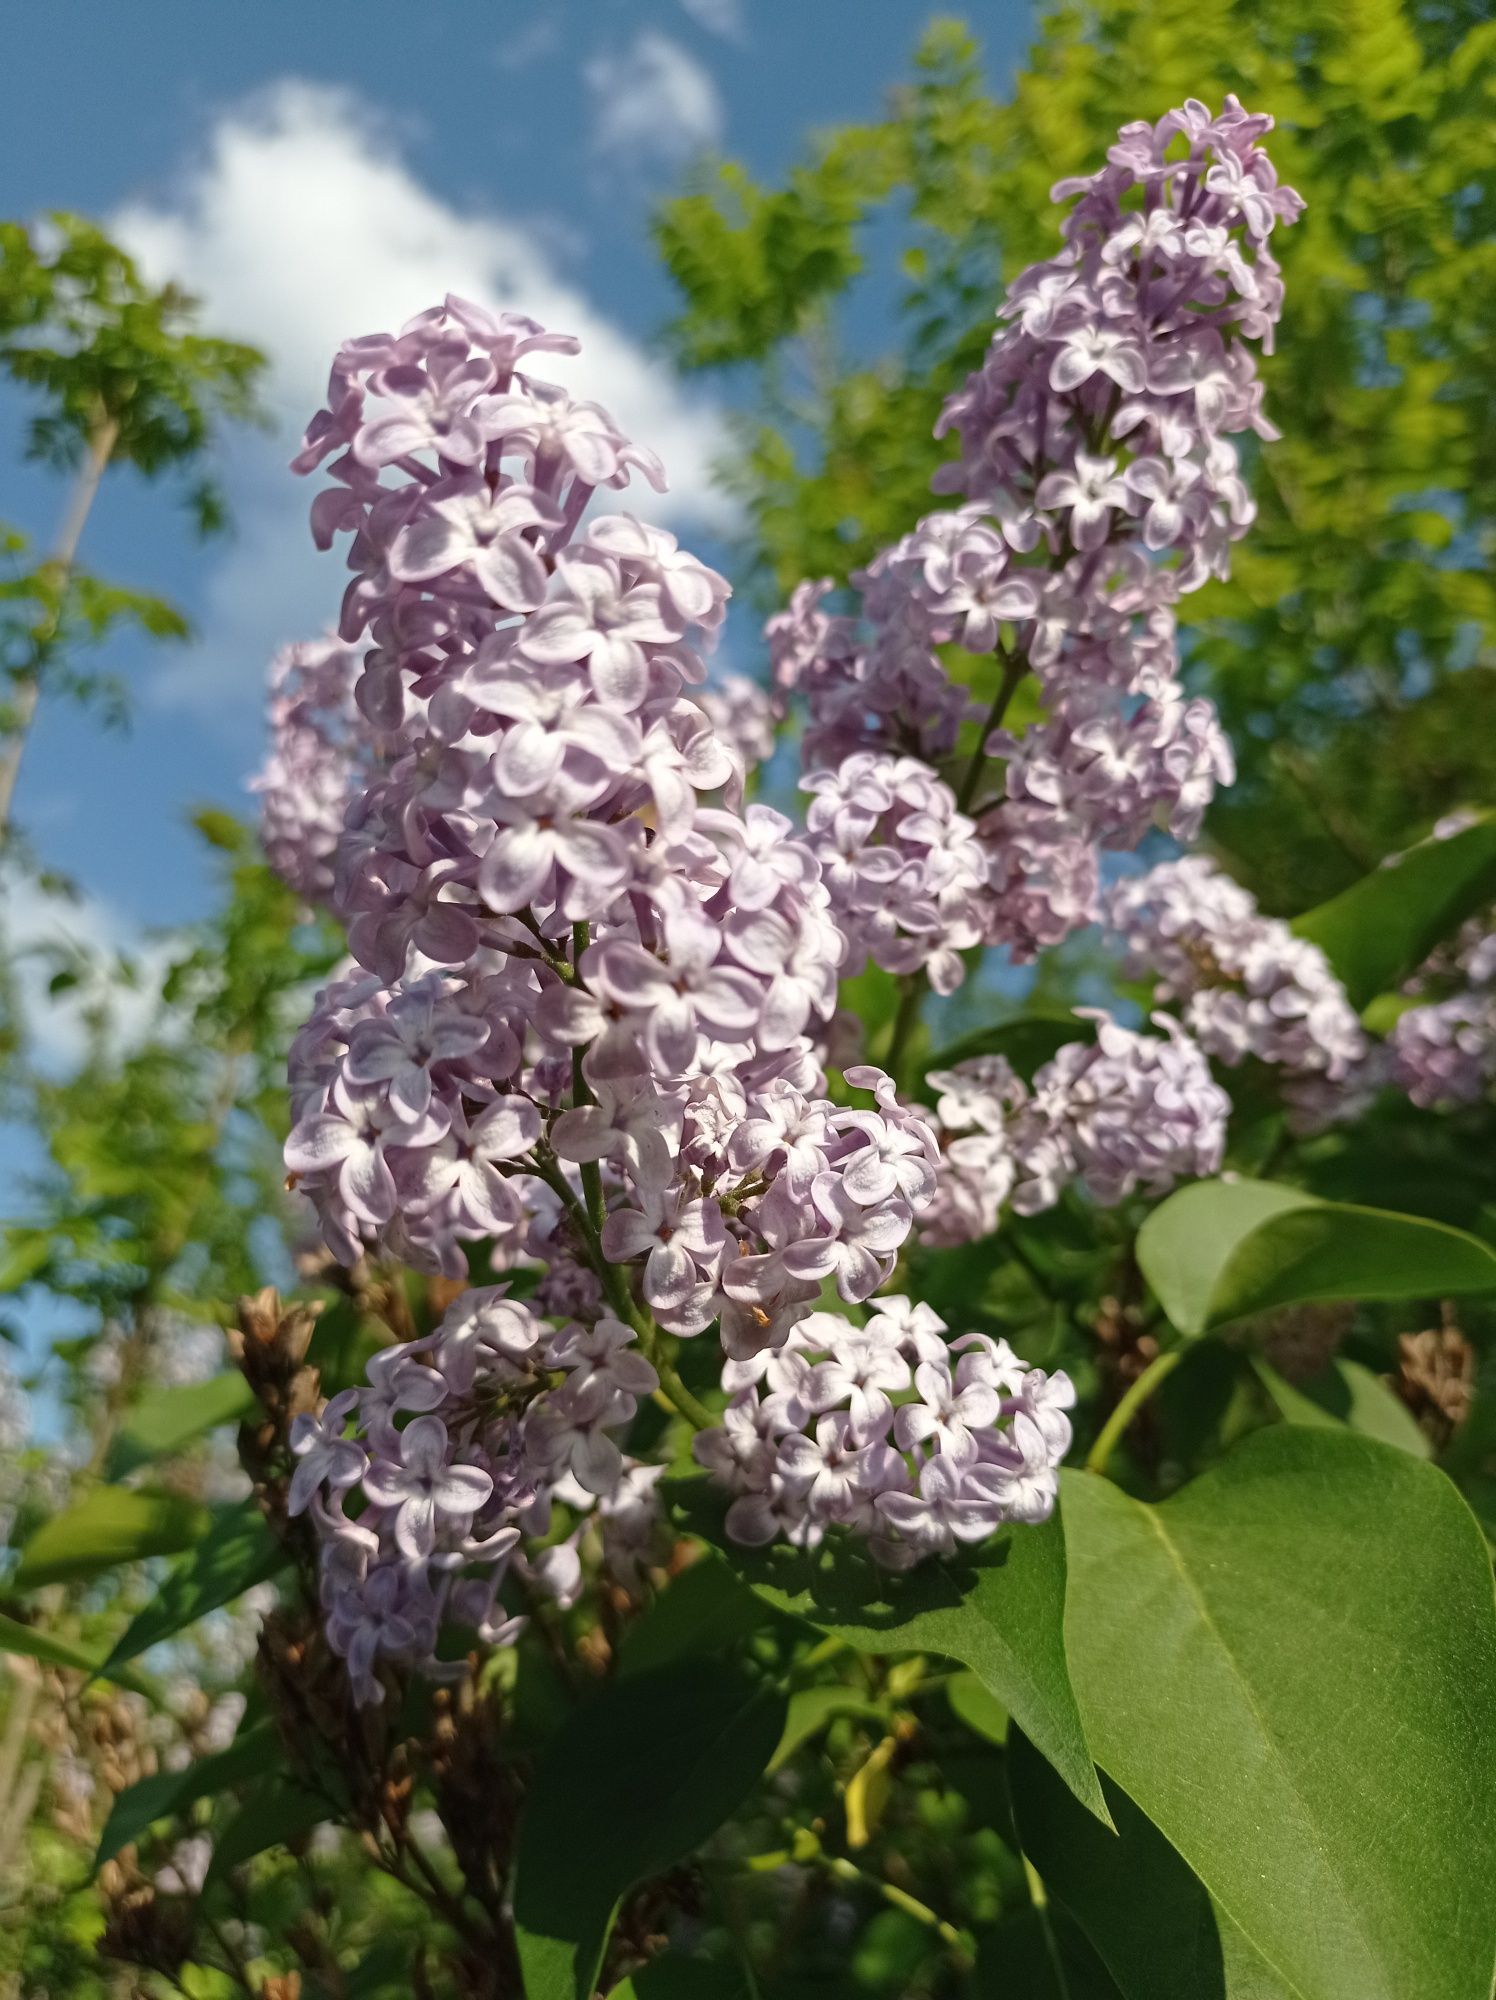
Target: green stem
(696,1414)
(1014,669)
(807,1848)
(1132,1401)
(627,1308)
(904,1023)
(1040,1900)
(848,1871)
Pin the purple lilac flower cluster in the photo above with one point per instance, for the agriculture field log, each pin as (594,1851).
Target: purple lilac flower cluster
(583,1020)
(1100,485)
(1123,1112)
(460,1443)
(743,715)
(317,751)
(903,867)
(1247,985)
(812,1436)
(1443,1051)
(592,995)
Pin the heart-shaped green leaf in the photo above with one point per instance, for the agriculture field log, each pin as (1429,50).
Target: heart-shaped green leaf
(1345,1393)
(1290,1668)
(998,1609)
(1219,1250)
(1188,1949)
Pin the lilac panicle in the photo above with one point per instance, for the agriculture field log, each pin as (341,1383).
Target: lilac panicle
(592,995)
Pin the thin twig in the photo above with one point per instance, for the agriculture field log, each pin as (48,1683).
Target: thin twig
(1132,1401)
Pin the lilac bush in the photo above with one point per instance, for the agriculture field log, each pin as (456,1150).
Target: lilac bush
(591,1024)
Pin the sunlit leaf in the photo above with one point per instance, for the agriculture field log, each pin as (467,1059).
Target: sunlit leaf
(238,1552)
(109,1526)
(1290,1668)
(163,1420)
(1219,1250)
(1383,927)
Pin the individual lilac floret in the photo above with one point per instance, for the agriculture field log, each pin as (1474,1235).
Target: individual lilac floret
(813,1439)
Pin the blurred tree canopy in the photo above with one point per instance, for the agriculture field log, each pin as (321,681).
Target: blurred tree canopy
(1351,652)
(122,376)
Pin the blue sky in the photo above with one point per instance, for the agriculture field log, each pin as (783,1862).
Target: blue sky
(322,170)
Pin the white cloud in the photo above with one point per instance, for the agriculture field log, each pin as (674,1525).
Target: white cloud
(652,103)
(532,43)
(44,933)
(300,225)
(718,17)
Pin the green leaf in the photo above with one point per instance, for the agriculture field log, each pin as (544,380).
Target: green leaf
(973,1703)
(274,1814)
(168,1793)
(645,1772)
(1345,1393)
(222,830)
(1187,1949)
(238,1552)
(1219,1250)
(998,1609)
(163,1420)
(1041,1955)
(1383,927)
(27,1254)
(31,1643)
(812,1709)
(110,1525)
(1290,1668)
(1028,1043)
(705,1610)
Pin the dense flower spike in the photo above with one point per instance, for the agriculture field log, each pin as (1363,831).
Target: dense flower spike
(1126,1111)
(1443,1051)
(903,867)
(1247,985)
(459,1443)
(812,1437)
(1100,486)
(319,749)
